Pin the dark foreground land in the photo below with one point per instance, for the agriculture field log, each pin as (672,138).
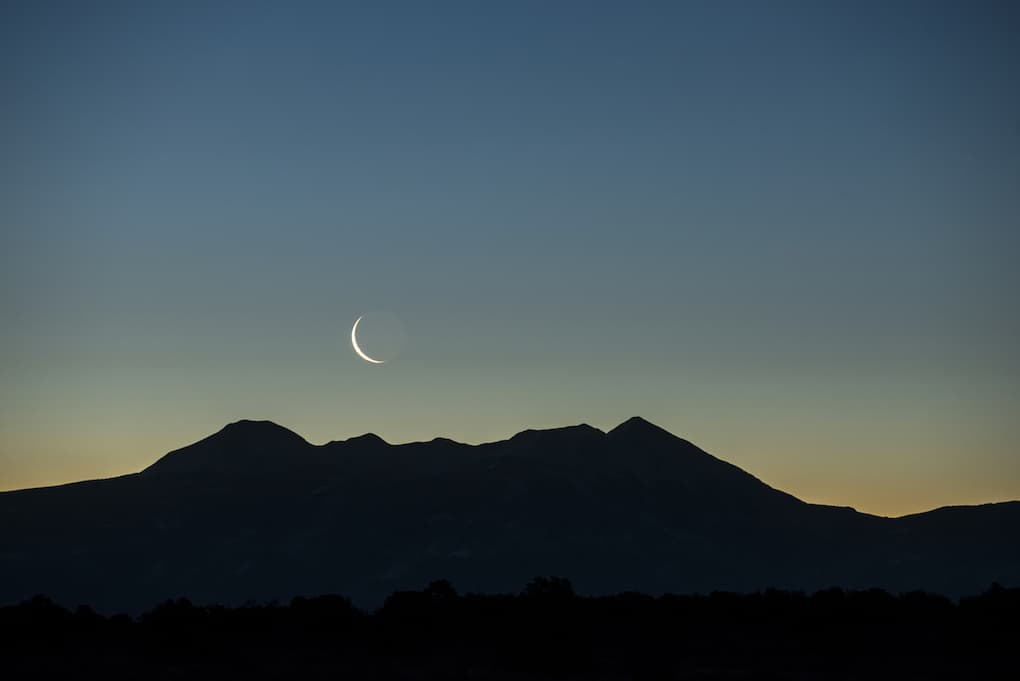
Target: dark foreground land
(546,632)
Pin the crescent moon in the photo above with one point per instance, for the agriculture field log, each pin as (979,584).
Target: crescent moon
(357,349)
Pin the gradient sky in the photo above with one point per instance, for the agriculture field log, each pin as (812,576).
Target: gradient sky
(787,231)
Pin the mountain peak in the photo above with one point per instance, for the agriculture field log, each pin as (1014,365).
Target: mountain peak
(255,426)
(248,431)
(244,445)
(636,425)
(366,439)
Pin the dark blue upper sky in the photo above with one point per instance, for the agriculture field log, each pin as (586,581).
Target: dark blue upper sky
(786,230)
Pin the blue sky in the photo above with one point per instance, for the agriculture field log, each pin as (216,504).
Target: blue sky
(786,231)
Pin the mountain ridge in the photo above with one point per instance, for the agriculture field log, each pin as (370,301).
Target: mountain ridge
(255,511)
(250,429)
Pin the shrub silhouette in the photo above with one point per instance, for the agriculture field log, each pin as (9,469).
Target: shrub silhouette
(546,631)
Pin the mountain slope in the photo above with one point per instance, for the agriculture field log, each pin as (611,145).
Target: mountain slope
(256,512)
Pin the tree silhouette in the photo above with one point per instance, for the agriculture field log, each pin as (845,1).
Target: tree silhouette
(549,587)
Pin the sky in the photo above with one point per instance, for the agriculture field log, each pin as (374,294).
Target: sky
(785,231)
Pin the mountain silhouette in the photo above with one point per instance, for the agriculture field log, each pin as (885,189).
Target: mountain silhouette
(255,512)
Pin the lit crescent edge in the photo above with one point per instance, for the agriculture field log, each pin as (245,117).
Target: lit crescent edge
(354,342)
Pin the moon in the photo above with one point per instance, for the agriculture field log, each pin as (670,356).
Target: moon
(357,348)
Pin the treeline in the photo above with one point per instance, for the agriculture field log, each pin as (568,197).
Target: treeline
(546,631)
